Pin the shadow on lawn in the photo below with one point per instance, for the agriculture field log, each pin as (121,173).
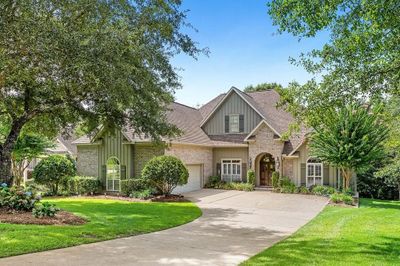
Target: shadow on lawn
(327,252)
(380,204)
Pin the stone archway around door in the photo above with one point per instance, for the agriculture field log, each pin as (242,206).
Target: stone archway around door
(265,167)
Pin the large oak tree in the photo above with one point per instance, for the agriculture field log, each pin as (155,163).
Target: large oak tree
(93,61)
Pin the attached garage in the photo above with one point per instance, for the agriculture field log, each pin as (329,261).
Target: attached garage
(194,180)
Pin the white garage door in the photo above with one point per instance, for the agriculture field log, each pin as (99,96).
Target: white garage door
(194,180)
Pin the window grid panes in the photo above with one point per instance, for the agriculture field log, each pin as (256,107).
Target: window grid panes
(113,174)
(231,170)
(314,172)
(234,123)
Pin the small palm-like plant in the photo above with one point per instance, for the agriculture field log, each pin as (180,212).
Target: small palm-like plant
(350,138)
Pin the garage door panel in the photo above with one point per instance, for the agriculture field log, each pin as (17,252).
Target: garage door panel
(194,180)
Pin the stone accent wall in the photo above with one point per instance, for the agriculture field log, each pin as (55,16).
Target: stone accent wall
(265,143)
(143,154)
(194,155)
(87,160)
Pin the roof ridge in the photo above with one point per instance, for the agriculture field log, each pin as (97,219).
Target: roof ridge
(186,106)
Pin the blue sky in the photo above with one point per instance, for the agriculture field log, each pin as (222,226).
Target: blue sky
(244,49)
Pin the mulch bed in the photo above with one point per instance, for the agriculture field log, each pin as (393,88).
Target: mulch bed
(170,198)
(19,217)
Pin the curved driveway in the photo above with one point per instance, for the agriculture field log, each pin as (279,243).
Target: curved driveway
(235,225)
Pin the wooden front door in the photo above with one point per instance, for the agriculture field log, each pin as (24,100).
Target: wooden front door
(267,167)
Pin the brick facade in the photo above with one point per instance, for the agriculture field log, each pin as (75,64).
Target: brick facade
(87,162)
(194,155)
(142,154)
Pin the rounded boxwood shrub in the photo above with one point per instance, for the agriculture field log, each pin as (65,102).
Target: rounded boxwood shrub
(51,170)
(131,185)
(165,173)
(80,185)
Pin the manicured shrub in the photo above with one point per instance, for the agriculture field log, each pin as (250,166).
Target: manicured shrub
(336,197)
(81,185)
(17,198)
(275,179)
(347,199)
(341,197)
(128,186)
(287,186)
(45,209)
(165,173)
(323,190)
(51,171)
(213,181)
(303,190)
(251,177)
(144,194)
(240,186)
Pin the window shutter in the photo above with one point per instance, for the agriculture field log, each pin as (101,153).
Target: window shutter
(325,176)
(244,172)
(227,124)
(241,123)
(218,173)
(123,172)
(303,174)
(103,175)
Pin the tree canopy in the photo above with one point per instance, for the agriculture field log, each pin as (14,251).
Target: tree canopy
(263,87)
(94,61)
(360,60)
(350,138)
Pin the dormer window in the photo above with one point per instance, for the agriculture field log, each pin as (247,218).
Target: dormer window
(234,123)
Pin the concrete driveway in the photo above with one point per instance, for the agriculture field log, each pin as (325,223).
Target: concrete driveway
(235,225)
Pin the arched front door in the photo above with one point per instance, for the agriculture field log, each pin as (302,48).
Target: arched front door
(267,167)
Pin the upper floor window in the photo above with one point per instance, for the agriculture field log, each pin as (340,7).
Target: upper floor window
(314,172)
(234,123)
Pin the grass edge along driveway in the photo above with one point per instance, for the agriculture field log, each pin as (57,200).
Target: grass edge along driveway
(369,235)
(108,219)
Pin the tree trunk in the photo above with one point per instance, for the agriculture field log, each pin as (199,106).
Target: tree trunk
(7,148)
(346,178)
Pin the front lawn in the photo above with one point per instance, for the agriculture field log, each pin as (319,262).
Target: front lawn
(107,219)
(369,235)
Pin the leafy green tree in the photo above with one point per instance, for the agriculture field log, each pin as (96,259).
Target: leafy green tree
(27,147)
(350,138)
(361,58)
(165,173)
(98,62)
(391,173)
(52,170)
(263,87)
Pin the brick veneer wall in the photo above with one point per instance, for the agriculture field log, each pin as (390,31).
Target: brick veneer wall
(265,143)
(87,161)
(142,154)
(193,155)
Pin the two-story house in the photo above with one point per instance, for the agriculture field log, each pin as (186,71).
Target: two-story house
(232,133)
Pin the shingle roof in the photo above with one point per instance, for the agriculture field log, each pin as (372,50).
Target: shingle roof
(189,119)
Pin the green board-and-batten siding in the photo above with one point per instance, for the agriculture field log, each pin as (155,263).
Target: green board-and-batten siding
(115,145)
(234,104)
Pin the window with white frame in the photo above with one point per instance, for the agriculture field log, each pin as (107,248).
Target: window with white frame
(314,172)
(113,174)
(231,170)
(234,123)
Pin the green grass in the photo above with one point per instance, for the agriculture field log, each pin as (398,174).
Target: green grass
(108,219)
(369,235)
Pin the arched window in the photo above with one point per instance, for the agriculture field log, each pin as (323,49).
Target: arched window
(113,174)
(314,172)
